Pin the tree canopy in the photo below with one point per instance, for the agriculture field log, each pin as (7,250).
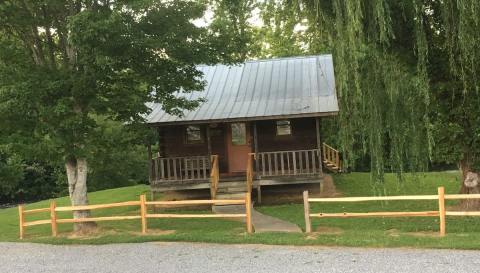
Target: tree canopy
(72,72)
(67,65)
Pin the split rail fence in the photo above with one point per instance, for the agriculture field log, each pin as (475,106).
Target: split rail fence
(441,212)
(144,215)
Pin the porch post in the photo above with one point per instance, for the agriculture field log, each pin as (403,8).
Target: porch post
(319,147)
(209,143)
(257,166)
(255,143)
(150,171)
(161,142)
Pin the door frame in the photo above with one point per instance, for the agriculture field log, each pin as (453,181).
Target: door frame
(229,145)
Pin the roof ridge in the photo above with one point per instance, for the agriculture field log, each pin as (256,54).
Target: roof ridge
(272,59)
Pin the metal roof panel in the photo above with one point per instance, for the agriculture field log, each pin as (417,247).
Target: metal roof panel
(260,89)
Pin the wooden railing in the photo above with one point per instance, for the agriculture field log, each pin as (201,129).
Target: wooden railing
(440,197)
(214,177)
(331,158)
(250,172)
(189,168)
(144,215)
(284,163)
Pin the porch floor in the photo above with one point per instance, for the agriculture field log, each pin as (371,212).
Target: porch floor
(265,181)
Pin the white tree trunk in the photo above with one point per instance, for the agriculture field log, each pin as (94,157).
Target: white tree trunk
(77,188)
(471,185)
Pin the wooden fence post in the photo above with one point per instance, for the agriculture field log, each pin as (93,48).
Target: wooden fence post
(21,220)
(306,207)
(248,212)
(53,217)
(441,209)
(143,213)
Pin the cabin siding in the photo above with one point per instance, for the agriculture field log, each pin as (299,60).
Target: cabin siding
(303,136)
(175,144)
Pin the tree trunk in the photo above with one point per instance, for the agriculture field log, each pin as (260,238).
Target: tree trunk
(470,185)
(77,188)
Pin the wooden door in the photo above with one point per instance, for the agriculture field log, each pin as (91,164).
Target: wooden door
(238,145)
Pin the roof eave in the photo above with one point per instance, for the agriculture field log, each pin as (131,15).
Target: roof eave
(240,119)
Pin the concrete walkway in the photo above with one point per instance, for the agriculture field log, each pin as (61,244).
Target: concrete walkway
(261,222)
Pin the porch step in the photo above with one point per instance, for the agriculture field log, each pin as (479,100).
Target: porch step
(232,190)
(230,196)
(231,187)
(230,184)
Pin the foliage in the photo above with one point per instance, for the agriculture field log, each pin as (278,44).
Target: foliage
(10,174)
(399,68)
(281,33)
(67,65)
(231,25)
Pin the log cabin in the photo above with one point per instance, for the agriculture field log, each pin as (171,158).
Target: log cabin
(259,124)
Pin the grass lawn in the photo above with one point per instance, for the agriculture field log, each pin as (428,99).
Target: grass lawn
(462,232)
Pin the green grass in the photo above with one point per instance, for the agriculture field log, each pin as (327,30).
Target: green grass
(462,232)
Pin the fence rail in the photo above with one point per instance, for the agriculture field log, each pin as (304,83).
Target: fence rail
(144,215)
(441,212)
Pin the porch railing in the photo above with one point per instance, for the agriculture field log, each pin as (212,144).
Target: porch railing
(285,163)
(188,168)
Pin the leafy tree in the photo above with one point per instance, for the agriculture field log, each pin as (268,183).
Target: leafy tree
(64,63)
(280,34)
(401,67)
(231,25)
(11,173)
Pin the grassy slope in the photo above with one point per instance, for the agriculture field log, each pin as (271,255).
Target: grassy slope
(461,232)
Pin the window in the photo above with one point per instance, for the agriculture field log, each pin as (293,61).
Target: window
(239,133)
(193,134)
(284,128)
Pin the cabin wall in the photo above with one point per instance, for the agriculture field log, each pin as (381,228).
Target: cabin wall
(174,143)
(303,136)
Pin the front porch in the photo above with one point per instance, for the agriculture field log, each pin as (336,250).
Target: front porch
(262,169)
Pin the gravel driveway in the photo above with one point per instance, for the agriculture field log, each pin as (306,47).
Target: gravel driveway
(191,258)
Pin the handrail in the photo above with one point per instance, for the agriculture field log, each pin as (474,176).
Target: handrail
(330,147)
(214,176)
(331,155)
(250,173)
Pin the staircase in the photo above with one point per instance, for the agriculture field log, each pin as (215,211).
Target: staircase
(231,190)
(331,158)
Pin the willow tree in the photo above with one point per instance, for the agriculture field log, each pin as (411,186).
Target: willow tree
(385,74)
(63,63)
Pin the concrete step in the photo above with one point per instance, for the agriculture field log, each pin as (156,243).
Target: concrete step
(230,184)
(230,196)
(232,190)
